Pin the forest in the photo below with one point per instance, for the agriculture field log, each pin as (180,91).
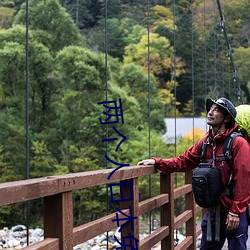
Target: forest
(60,59)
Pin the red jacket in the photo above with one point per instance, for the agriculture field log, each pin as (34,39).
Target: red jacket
(241,167)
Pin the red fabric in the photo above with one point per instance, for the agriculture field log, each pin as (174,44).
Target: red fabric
(241,167)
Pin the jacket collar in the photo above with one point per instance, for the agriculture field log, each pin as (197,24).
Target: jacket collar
(221,136)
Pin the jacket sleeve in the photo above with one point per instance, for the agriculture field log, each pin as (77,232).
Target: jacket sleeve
(185,162)
(241,175)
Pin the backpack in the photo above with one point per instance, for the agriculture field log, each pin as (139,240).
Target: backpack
(243,120)
(206,185)
(206,179)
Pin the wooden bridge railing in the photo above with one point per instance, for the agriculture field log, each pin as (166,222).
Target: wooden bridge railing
(56,192)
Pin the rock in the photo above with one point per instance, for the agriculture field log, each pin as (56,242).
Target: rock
(100,238)
(13,243)
(111,233)
(3,233)
(96,248)
(16,238)
(38,232)
(18,228)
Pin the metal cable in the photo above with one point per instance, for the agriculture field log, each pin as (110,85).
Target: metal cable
(229,54)
(106,83)
(175,95)
(205,50)
(27,207)
(215,52)
(193,93)
(174,73)
(149,122)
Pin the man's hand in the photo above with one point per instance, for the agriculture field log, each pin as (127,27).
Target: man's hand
(146,162)
(232,221)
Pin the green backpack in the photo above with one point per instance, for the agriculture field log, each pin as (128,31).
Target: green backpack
(243,120)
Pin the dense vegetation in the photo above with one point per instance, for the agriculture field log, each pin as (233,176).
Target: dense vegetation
(74,64)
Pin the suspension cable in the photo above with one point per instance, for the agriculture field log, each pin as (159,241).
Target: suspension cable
(175,95)
(149,121)
(221,68)
(192,77)
(215,52)
(229,53)
(27,207)
(205,51)
(106,83)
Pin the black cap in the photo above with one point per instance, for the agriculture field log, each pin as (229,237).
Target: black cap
(223,103)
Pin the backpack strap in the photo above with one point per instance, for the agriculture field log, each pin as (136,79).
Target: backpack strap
(203,152)
(203,158)
(227,148)
(227,151)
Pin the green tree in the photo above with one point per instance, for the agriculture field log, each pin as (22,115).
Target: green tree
(53,25)
(42,162)
(241,56)
(118,31)
(132,78)
(6,17)
(161,57)
(84,13)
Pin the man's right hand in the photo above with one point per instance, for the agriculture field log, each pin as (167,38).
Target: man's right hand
(146,162)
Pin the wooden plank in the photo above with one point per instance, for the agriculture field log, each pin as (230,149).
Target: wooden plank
(182,218)
(46,244)
(198,231)
(132,227)
(190,205)
(198,209)
(154,238)
(185,244)
(152,203)
(98,177)
(91,229)
(24,190)
(167,210)
(178,192)
(58,219)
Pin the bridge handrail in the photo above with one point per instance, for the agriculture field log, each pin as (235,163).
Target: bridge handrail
(56,192)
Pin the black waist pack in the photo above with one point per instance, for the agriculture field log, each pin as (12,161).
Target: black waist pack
(206,183)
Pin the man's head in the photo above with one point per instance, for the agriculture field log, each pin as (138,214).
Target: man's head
(226,107)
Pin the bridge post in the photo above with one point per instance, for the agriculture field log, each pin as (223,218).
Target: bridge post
(190,205)
(167,210)
(135,210)
(58,219)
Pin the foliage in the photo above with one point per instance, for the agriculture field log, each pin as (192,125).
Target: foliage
(6,17)
(242,63)
(161,16)
(137,84)
(84,13)
(160,53)
(53,25)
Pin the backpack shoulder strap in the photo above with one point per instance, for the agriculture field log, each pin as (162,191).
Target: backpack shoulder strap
(227,148)
(203,152)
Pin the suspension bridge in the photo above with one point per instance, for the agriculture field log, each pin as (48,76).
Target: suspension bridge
(56,192)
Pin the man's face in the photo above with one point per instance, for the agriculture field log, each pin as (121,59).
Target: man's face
(215,116)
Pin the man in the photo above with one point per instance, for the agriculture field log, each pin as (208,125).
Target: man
(221,115)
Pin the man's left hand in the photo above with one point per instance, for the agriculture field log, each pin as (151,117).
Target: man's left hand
(232,222)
